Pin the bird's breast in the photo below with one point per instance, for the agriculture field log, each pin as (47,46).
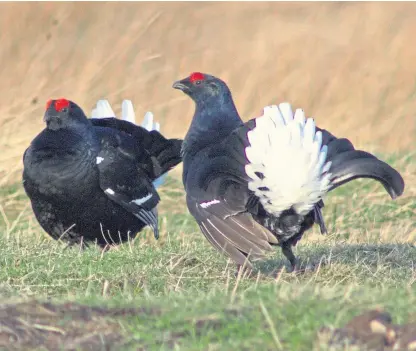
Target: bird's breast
(69,173)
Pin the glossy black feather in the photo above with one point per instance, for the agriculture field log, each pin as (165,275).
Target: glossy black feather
(166,151)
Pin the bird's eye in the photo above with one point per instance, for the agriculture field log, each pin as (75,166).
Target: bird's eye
(197,82)
(64,110)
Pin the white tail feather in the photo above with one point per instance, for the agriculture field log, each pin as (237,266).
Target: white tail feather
(127,111)
(148,121)
(103,110)
(287,162)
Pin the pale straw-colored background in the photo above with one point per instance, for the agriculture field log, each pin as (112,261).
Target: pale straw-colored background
(352,66)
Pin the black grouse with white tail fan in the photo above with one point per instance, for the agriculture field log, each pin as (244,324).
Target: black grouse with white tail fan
(90,180)
(261,183)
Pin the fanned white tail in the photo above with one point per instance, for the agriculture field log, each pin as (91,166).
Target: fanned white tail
(148,122)
(103,110)
(287,161)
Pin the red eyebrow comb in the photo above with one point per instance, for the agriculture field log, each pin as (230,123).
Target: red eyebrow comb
(61,104)
(196,76)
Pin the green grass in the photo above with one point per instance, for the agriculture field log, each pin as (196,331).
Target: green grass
(188,293)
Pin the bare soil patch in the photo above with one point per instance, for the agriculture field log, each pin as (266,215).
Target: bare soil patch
(35,325)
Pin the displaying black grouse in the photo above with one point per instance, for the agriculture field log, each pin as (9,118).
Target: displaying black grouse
(90,180)
(261,183)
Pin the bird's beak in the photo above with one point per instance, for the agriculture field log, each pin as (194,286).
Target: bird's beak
(47,117)
(52,121)
(184,85)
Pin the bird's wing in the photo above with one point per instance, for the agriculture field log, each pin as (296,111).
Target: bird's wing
(124,179)
(232,232)
(219,199)
(165,152)
(168,151)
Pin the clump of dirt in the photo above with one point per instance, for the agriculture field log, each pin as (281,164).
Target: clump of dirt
(34,325)
(373,331)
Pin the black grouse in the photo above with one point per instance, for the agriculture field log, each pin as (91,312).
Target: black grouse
(90,180)
(257,184)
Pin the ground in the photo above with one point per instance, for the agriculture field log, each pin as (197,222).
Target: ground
(349,65)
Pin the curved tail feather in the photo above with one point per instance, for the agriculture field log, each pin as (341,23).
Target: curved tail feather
(355,164)
(348,164)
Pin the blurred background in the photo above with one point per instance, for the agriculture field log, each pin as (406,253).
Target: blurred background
(349,65)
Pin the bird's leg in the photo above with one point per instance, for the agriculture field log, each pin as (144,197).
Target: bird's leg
(287,251)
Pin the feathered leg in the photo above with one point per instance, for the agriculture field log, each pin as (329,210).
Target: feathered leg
(287,251)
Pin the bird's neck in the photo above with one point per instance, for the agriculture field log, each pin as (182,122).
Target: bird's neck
(210,125)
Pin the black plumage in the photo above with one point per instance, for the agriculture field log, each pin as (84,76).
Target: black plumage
(230,215)
(90,180)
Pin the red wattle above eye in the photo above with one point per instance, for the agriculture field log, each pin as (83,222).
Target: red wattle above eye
(61,104)
(196,76)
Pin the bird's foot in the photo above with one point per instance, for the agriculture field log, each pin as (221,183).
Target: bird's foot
(297,268)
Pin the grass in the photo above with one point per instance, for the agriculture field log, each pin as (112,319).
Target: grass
(185,293)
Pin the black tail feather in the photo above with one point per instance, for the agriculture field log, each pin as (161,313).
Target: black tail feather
(338,146)
(349,164)
(354,164)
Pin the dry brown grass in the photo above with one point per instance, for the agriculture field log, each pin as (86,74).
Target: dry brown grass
(350,65)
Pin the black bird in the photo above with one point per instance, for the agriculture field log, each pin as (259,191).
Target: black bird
(261,183)
(90,180)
